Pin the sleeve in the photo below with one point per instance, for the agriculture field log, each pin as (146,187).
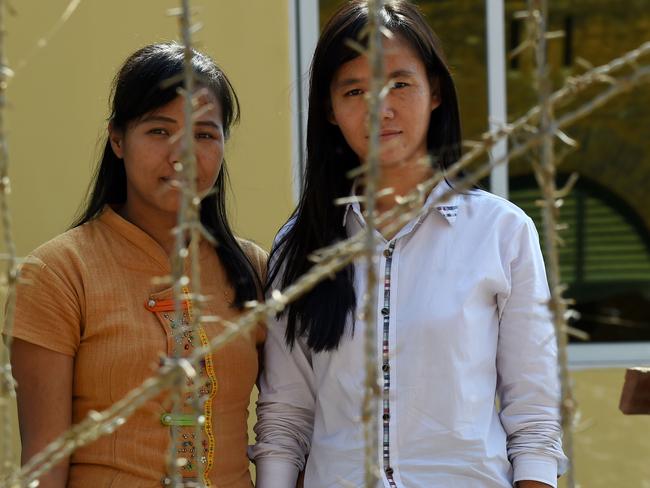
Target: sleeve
(528,379)
(47,311)
(285,411)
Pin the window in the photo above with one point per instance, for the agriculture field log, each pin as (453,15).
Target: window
(606,259)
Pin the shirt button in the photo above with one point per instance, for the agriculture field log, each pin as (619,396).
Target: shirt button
(151,303)
(385,367)
(389,471)
(386,416)
(384,311)
(388,252)
(166,481)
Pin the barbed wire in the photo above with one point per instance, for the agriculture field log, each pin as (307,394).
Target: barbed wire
(188,227)
(369,408)
(327,260)
(545,173)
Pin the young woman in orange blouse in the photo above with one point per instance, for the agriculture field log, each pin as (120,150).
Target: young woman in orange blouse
(92,321)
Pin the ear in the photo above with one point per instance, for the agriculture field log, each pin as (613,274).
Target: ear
(435,93)
(330,113)
(116,138)
(435,101)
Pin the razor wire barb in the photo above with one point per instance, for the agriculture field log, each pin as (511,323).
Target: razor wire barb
(333,258)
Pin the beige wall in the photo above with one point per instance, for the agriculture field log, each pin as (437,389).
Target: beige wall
(611,449)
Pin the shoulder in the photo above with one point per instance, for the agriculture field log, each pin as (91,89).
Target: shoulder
(51,294)
(70,248)
(256,255)
(489,208)
(494,217)
(251,249)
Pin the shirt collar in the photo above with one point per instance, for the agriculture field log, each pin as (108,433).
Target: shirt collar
(448,208)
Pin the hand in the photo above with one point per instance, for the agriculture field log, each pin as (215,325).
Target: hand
(531,484)
(301,480)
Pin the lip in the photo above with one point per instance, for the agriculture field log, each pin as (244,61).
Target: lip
(387,133)
(170,181)
(173,181)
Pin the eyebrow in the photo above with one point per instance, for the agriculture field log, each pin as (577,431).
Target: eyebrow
(207,123)
(162,118)
(347,82)
(395,74)
(401,72)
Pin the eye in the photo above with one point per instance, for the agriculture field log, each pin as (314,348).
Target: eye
(158,131)
(353,93)
(206,135)
(400,84)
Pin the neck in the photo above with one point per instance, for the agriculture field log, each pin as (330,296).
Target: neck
(402,178)
(158,227)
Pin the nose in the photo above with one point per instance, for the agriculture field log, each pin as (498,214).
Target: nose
(175,152)
(386,110)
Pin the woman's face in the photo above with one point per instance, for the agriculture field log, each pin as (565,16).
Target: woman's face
(151,145)
(405,112)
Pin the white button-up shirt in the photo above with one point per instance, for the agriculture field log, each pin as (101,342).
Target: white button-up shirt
(467,323)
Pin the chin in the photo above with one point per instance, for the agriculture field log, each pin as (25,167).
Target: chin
(391,163)
(172,205)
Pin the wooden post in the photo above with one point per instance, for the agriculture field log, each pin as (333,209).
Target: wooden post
(635,397)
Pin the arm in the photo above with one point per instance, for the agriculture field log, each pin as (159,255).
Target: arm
(528,384)
(44,393)
(285,411)
(46,336)
(531,484)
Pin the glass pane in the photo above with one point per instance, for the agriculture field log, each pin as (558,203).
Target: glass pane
(606,255)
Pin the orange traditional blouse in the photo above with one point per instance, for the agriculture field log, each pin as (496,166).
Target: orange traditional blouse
(91,293)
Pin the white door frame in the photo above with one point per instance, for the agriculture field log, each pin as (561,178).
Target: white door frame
(304,30)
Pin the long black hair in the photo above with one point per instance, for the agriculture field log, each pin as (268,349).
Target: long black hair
(316,222)
(149,79)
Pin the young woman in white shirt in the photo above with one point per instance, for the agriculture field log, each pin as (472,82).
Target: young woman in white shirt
(461,311)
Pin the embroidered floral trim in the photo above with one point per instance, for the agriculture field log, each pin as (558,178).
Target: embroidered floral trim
(385,311)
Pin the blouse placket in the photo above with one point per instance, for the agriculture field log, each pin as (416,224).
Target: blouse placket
(182,424)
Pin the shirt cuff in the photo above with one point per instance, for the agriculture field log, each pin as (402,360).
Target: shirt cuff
(275,473)
(535,468)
